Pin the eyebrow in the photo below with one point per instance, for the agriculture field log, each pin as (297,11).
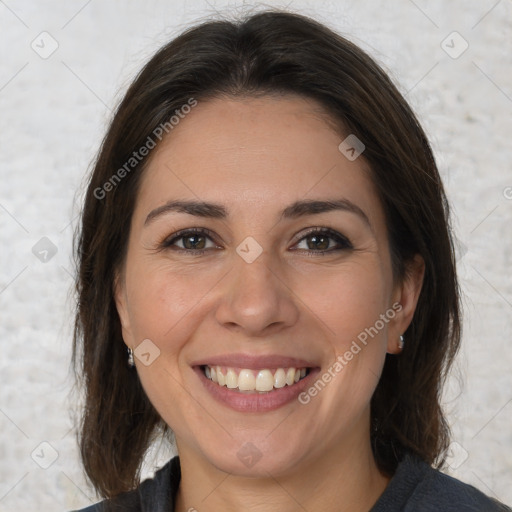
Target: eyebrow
(297,209)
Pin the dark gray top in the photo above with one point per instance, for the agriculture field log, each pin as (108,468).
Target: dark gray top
(415,487)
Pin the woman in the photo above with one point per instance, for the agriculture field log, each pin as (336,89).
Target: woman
(266,270)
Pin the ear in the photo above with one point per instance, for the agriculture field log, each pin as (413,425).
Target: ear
(121,301)
(406,294)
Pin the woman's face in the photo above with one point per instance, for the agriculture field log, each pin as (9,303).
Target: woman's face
(259,251)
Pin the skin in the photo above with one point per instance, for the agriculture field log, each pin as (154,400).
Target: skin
(256,157)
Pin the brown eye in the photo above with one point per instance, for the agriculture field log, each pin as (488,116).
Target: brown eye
(322,241)
(196,241)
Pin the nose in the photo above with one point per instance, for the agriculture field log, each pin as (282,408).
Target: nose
(256,299)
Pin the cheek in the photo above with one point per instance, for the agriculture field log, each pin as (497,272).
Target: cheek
(349,304)
(347,300)
(161,299)
(164,307)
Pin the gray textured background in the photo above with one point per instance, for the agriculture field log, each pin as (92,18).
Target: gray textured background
(54,112)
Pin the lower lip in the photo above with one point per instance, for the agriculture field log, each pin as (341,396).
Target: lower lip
(256,402)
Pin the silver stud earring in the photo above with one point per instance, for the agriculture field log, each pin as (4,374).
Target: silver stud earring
(131,362)
(401,342)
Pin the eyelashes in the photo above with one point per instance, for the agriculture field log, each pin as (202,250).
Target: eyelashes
(321,236)
(315,241)
(199,235)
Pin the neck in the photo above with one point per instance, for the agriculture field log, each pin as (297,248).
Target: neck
(339,481)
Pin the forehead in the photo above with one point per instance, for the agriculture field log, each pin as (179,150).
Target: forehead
(255,154)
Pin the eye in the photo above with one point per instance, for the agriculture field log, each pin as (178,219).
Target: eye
(191,240)
(199,240)
(322,240)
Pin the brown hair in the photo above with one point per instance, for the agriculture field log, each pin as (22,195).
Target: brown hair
(267,53)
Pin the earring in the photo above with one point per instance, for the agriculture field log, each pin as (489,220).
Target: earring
(131,362)
(401,342)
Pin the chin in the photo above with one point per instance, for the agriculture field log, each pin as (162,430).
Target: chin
(254,458)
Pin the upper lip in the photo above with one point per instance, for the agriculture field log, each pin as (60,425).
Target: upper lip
(252,362)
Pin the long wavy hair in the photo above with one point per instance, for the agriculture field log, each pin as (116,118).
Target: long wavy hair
(271,52)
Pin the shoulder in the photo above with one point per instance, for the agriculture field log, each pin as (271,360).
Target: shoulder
(436,491)
(156,494)
(452,494)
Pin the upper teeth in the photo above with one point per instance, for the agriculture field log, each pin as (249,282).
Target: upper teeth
(254,380)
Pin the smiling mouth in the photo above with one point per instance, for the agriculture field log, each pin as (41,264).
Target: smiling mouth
(246,380)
